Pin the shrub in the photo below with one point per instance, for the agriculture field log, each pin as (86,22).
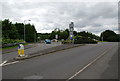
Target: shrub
(84,40)
(67,42)
(9,41)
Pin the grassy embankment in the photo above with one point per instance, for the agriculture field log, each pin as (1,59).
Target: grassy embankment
(10,41)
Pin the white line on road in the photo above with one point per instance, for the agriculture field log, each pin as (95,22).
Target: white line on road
(81,70)
(1,64)
(10,63)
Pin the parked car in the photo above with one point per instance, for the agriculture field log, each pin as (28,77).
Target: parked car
(47,41)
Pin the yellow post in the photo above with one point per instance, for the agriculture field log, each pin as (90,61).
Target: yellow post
(21,50)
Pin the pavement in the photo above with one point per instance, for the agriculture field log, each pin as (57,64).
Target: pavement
(74,63)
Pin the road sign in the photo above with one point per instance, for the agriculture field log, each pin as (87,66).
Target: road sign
(56,36)
(71,38)
(71,28)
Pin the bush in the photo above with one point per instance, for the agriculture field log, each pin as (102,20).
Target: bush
(10,42)
(67,42)
(84,40)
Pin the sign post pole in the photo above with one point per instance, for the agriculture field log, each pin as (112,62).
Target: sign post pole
(71,28)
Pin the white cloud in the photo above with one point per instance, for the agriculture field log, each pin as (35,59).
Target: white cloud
(88,16)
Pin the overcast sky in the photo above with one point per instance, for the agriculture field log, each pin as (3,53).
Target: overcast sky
(92,16)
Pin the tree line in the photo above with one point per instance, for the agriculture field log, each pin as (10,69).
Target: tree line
(16,31)
(107,35)
(110,36)
(64,34)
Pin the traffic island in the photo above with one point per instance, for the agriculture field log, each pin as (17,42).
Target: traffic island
(49,50)
(45,52)
(21,57)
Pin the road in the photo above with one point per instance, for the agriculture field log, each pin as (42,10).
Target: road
(36,47)
(74,63)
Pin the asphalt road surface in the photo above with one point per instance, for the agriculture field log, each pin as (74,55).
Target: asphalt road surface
(92,61)
(36,47)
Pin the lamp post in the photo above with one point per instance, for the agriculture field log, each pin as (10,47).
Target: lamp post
(102,36)
(24,29)
(35,37)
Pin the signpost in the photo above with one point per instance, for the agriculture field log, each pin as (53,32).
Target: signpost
(71,28)
(56,36)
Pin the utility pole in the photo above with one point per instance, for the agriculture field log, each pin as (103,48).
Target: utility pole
(35,36)
(102,36)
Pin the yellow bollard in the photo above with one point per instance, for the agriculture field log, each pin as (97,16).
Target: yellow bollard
(21,51)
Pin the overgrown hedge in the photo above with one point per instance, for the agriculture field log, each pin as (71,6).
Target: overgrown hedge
(10,42)
(84,40)
(67,42)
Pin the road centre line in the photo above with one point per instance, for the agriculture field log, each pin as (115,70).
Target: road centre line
(81,70)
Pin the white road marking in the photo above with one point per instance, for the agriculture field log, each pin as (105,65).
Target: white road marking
(3,63)
(88,65)
(10,63)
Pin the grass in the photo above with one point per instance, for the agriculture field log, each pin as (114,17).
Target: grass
(102,41)
(11,47)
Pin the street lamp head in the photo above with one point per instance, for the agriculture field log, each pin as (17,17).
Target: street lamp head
(26,20)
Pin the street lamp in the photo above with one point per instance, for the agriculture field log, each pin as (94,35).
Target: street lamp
(24,28)
(35,36)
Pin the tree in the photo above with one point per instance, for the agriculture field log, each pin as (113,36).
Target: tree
(75,33)
(9,30)
(88,35)
(52,35)
(43,36)
(63,35)
(109,35)
(67,30)
(30,33)
(20,28)
(16,31)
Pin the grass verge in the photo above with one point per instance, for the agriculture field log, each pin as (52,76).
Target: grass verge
(11,47)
